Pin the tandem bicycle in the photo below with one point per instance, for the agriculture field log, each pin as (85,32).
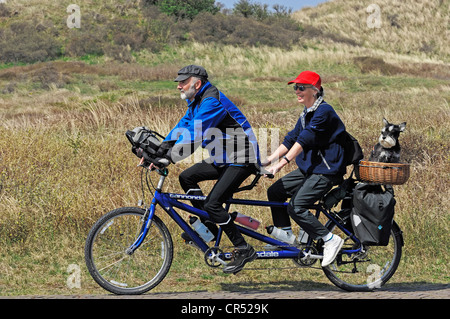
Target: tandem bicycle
(130,250)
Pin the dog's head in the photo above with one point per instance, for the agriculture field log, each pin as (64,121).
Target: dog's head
(390,133)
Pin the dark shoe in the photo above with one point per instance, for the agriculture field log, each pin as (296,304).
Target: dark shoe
(186,237)
(241,256)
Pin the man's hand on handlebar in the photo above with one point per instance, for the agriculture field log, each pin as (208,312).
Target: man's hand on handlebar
(152,162)
(159,163)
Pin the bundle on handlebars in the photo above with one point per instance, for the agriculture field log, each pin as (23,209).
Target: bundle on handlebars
(147,146)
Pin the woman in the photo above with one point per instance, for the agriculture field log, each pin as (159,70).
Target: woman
(313,145)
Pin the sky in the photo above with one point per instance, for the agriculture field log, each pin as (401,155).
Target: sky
(294,4)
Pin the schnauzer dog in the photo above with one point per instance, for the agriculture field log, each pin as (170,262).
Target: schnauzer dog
(387,150)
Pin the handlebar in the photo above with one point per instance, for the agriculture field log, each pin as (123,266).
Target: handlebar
(259,174)
(156,161)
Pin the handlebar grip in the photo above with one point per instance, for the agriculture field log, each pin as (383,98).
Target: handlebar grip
(265,172)
(157,161)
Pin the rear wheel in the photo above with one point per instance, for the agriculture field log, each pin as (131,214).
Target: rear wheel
(367,270)
(113,267)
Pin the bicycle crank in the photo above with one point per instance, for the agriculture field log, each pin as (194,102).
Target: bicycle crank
(307,257)
(212,257)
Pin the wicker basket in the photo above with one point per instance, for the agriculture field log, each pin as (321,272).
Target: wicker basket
(383,173)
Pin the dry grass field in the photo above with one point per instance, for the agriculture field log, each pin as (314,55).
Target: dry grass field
(65,161)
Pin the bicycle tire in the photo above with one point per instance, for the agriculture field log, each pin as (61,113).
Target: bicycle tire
(115,270)
(380,269)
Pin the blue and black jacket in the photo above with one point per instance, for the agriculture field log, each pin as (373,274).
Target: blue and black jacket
(319,136)
(213,122)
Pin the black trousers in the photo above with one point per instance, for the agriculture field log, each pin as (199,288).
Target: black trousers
(304,191)
(228,181)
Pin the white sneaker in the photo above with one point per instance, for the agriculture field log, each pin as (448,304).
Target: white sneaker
(331,249)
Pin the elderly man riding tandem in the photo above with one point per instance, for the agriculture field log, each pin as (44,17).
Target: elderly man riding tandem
(213,122)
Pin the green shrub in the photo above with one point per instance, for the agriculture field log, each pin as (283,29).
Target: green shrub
(81,43)
(260,11)
(49,76)
(238,30)
(127,33)
(24,42)
(4,11)
(248,9)
(120,53)
(369,64)
(183,9)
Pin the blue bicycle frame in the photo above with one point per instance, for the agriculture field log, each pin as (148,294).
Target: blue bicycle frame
(168,201)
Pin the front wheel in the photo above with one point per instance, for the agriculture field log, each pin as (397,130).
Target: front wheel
(369,270)
(109,261)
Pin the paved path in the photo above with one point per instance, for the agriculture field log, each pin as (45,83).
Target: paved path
(395,291)
(406,292)
(391,300)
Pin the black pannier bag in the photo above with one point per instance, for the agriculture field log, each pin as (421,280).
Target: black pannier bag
(373,213)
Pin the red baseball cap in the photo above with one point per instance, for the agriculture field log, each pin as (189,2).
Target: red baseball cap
(308,77)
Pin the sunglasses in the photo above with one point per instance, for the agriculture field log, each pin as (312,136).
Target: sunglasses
(301,87)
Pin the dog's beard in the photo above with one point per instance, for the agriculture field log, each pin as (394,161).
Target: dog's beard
(387,142)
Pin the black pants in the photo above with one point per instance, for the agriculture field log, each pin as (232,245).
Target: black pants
(228,181)
(304,191)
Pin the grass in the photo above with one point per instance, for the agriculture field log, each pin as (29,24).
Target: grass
(401,31)
(64,159)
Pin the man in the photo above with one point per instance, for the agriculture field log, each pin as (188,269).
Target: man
(216,124)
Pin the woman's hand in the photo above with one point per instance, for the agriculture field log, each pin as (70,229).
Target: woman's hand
(286,159)
(276,167)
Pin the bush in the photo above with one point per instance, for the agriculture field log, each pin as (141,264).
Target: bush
(238,30)
(152,29)
(120,53)
(247,9)
(83,43)
(49,76)
(89,39)
(24,42)
(127,33)
(260,11)
(4,11)
(163,29)
(183,9)
(212,28)
(369,64)
(9,88)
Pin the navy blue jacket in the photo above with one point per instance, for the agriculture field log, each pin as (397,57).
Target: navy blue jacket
(215,123)
(321,152)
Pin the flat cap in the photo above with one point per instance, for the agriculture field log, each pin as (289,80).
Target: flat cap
(191,70)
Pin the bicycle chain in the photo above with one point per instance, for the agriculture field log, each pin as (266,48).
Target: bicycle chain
(297,261)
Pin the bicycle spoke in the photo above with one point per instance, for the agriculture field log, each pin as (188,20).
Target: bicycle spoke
(112,264)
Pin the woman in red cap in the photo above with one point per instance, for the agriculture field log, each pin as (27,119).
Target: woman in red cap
(312,144)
